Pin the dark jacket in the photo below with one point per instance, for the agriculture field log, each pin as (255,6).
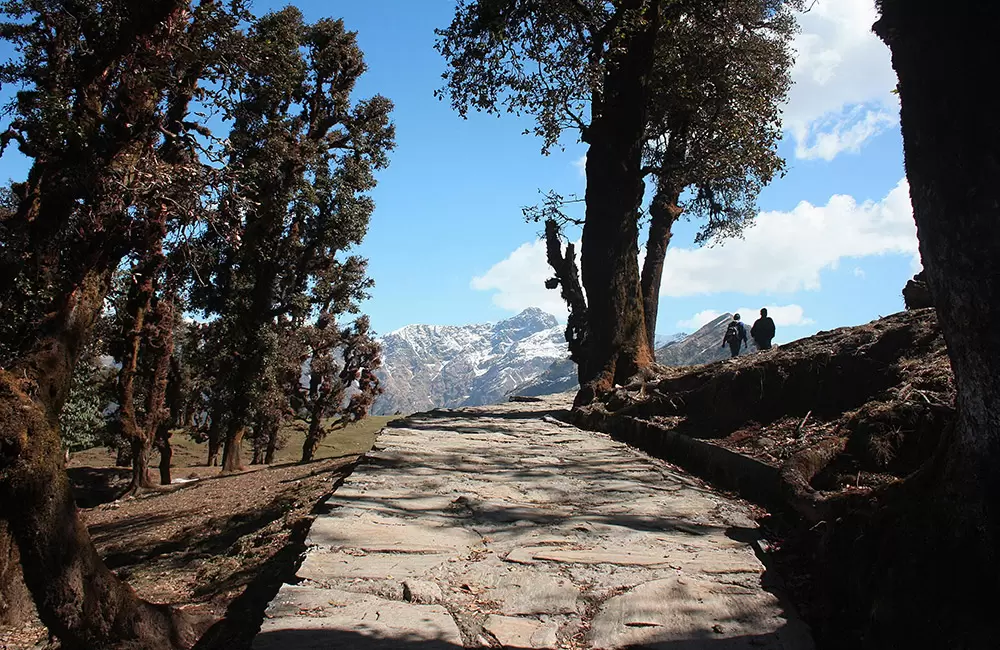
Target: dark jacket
(763,330)
(741,336)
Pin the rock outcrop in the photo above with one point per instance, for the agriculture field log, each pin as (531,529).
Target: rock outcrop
(916,294)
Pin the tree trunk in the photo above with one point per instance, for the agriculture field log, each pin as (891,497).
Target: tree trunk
(944,58)
(160,340)
(617,344)
(166,452)
(663,213)
(140,465)
(272,444)
(135,318)
(567,276)
(15,601)
(231,460)
(313,437)
(77,597)
(215,433)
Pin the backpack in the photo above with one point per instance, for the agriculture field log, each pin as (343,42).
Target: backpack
(733,332)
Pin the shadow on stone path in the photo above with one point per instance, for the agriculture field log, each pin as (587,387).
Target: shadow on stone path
(500,526)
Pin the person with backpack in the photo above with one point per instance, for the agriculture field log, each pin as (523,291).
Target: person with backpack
(763,331)
(736,333)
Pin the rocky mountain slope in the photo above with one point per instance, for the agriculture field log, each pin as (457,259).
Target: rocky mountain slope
(428,366)
(704,346)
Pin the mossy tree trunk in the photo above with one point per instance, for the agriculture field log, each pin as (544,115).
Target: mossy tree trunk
(663,213)
(77,597)
(617,347)
(940,570)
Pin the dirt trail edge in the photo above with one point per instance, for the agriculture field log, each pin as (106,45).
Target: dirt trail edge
(502,526)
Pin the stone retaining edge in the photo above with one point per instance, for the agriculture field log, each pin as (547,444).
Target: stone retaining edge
(751,479)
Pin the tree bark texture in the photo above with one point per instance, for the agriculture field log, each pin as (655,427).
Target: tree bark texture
(150,329)
(166,451)
(232,460)
(272,444)
(15,600)
(313,436)
(617,345)
(945,59)
(567,276)
(137,304)
(663,213)
(76,596)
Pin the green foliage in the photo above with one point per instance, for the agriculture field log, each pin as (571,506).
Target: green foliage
(254,229)
(720,74)
(83,422)
(304,156)
(719,79)
(543,59)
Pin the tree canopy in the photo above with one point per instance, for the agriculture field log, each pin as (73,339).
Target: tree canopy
(187,158)
(683,91)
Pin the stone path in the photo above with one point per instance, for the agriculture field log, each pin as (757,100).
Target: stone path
(500,526)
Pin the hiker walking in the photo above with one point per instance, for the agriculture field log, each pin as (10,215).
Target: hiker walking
(736,333)
(763,331)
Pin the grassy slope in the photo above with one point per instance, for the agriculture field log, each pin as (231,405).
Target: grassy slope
(353,440)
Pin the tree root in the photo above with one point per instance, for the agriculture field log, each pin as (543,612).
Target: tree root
(798,472)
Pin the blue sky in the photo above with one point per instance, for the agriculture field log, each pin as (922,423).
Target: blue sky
(833,246)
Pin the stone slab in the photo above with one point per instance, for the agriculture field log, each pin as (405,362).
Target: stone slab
(515,632)
(308,618)
(528,593)
(688,612)
(324,566)
(536,554)
(377,534)
(422,591)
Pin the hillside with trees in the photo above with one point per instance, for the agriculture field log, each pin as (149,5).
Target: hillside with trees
(181,282)
(198,179)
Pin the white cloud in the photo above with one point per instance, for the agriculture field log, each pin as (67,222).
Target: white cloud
(783,252)
(698,320)
(859,272)
(519,281)
(842,80)
(847,131)
(581,165)
(782,315)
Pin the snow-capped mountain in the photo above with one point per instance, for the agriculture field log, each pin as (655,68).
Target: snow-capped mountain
(428,366)
(704,346)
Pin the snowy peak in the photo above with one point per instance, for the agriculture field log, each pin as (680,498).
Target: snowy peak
(427,366)
(530,321)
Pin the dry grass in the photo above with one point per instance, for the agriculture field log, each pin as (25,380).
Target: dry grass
(219,547)
(190,455)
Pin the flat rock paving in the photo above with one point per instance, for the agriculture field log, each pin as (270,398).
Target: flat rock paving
(502,527)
